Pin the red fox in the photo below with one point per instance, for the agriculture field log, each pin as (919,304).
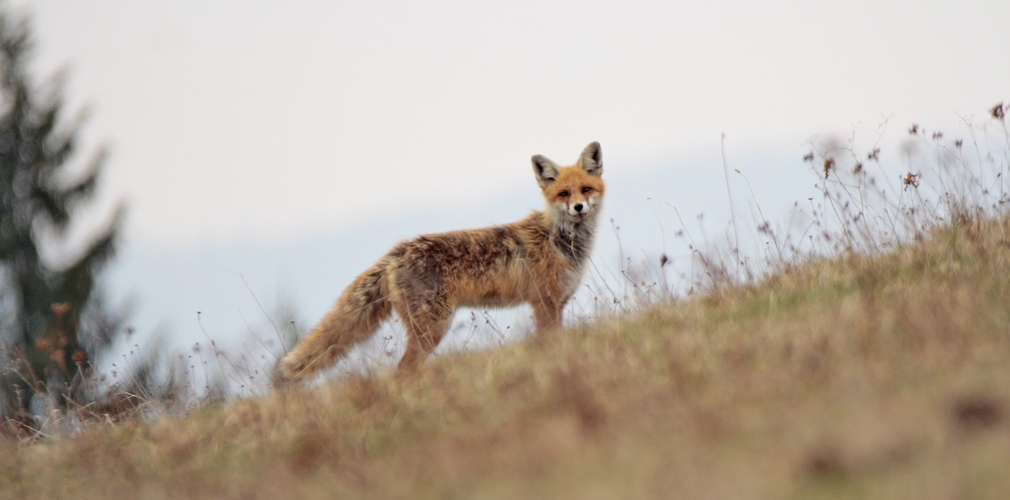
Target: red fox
(538,260)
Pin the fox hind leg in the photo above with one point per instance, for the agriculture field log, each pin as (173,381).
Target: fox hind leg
(426,325)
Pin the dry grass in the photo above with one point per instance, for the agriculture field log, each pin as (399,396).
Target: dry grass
(881,376)
(880,371)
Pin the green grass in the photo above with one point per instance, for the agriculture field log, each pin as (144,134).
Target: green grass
(883,376)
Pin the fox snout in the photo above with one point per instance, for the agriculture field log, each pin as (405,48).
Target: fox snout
(578,209)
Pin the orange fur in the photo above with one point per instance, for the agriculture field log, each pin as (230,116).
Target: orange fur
(538,260)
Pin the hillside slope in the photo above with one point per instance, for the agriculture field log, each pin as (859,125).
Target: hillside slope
(860,376)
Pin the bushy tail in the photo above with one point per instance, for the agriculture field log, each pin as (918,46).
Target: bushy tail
(355,317)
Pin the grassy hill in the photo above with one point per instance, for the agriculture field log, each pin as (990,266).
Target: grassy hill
(883,376)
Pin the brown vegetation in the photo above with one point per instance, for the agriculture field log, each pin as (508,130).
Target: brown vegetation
(867,357)
(856,376)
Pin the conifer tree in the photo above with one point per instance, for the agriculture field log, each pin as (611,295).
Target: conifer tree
(51,322)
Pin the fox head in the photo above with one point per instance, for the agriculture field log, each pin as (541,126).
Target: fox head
(574,194)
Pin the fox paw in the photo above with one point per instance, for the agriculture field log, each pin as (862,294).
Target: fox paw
(278,380)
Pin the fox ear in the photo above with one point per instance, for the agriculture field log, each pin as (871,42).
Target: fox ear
(545,170)
(592,159)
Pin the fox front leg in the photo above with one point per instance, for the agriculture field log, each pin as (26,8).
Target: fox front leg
(547,315)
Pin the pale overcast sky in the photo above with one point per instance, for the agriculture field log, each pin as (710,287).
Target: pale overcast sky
(238,120)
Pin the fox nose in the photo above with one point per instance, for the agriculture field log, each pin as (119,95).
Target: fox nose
(578,207)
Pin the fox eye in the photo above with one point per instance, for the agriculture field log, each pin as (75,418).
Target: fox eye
(563,194)
(586,190)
